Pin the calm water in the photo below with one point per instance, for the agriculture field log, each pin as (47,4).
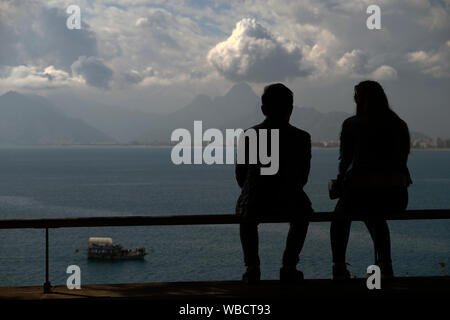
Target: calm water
(121,181)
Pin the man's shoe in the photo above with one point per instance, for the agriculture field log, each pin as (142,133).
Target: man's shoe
(340,271)
(252,275)
(290,275)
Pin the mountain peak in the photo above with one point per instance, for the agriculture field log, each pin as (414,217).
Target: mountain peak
(32,120)
(241,88)
(13,98)
(11,93)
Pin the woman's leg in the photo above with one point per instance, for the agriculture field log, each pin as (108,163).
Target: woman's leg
(395,200)
(339,234)
(379,231)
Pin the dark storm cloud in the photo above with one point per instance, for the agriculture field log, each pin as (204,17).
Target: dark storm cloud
(93,71)
(38,36)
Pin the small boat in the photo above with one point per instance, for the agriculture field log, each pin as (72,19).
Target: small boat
(105,249)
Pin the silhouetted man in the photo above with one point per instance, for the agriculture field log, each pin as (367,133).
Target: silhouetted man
(280,194)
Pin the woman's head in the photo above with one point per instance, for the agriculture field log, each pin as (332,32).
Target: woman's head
(371,100)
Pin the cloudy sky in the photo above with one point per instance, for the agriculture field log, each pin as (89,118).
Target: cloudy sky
(157,55)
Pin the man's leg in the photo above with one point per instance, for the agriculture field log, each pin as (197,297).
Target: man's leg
(249,241)
(294,243)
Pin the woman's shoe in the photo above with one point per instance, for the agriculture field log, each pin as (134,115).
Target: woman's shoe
(290,275)
(387,272)
(340,271)
(252,275)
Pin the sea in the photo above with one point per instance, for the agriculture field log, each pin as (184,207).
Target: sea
(92,181)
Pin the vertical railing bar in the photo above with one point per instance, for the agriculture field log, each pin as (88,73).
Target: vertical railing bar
(47,285)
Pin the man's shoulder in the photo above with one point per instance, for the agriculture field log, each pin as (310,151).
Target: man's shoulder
(293,130)
(350,121)
(257,126)
(299,132)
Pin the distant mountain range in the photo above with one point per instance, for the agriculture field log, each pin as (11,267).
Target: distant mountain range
(34,120)
(240,108)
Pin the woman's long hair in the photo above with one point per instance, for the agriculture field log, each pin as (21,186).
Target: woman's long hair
(371,101)
(372,105)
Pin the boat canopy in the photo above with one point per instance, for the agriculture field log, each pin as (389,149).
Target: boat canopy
(100,241)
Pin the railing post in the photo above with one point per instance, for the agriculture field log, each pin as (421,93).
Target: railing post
(47,285)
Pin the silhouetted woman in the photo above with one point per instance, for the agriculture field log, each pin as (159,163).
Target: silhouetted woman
(373,175)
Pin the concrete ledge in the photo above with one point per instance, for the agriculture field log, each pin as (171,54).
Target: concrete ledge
(268,290)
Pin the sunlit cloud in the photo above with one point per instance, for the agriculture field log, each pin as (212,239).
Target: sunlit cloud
(254,54)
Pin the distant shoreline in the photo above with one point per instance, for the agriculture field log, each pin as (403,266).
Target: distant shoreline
(168,145)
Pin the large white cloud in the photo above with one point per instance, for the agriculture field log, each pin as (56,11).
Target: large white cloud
(253,54)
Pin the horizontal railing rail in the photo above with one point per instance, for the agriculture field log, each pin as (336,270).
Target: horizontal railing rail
(206,219)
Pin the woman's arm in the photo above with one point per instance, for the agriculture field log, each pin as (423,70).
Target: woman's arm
(346,150)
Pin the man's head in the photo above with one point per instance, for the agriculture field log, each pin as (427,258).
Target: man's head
(277,102)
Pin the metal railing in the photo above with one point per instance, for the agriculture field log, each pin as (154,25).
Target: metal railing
(53,223)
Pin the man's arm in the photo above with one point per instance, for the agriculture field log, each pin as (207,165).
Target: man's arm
(306,161)
(242,168)
(241,173)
